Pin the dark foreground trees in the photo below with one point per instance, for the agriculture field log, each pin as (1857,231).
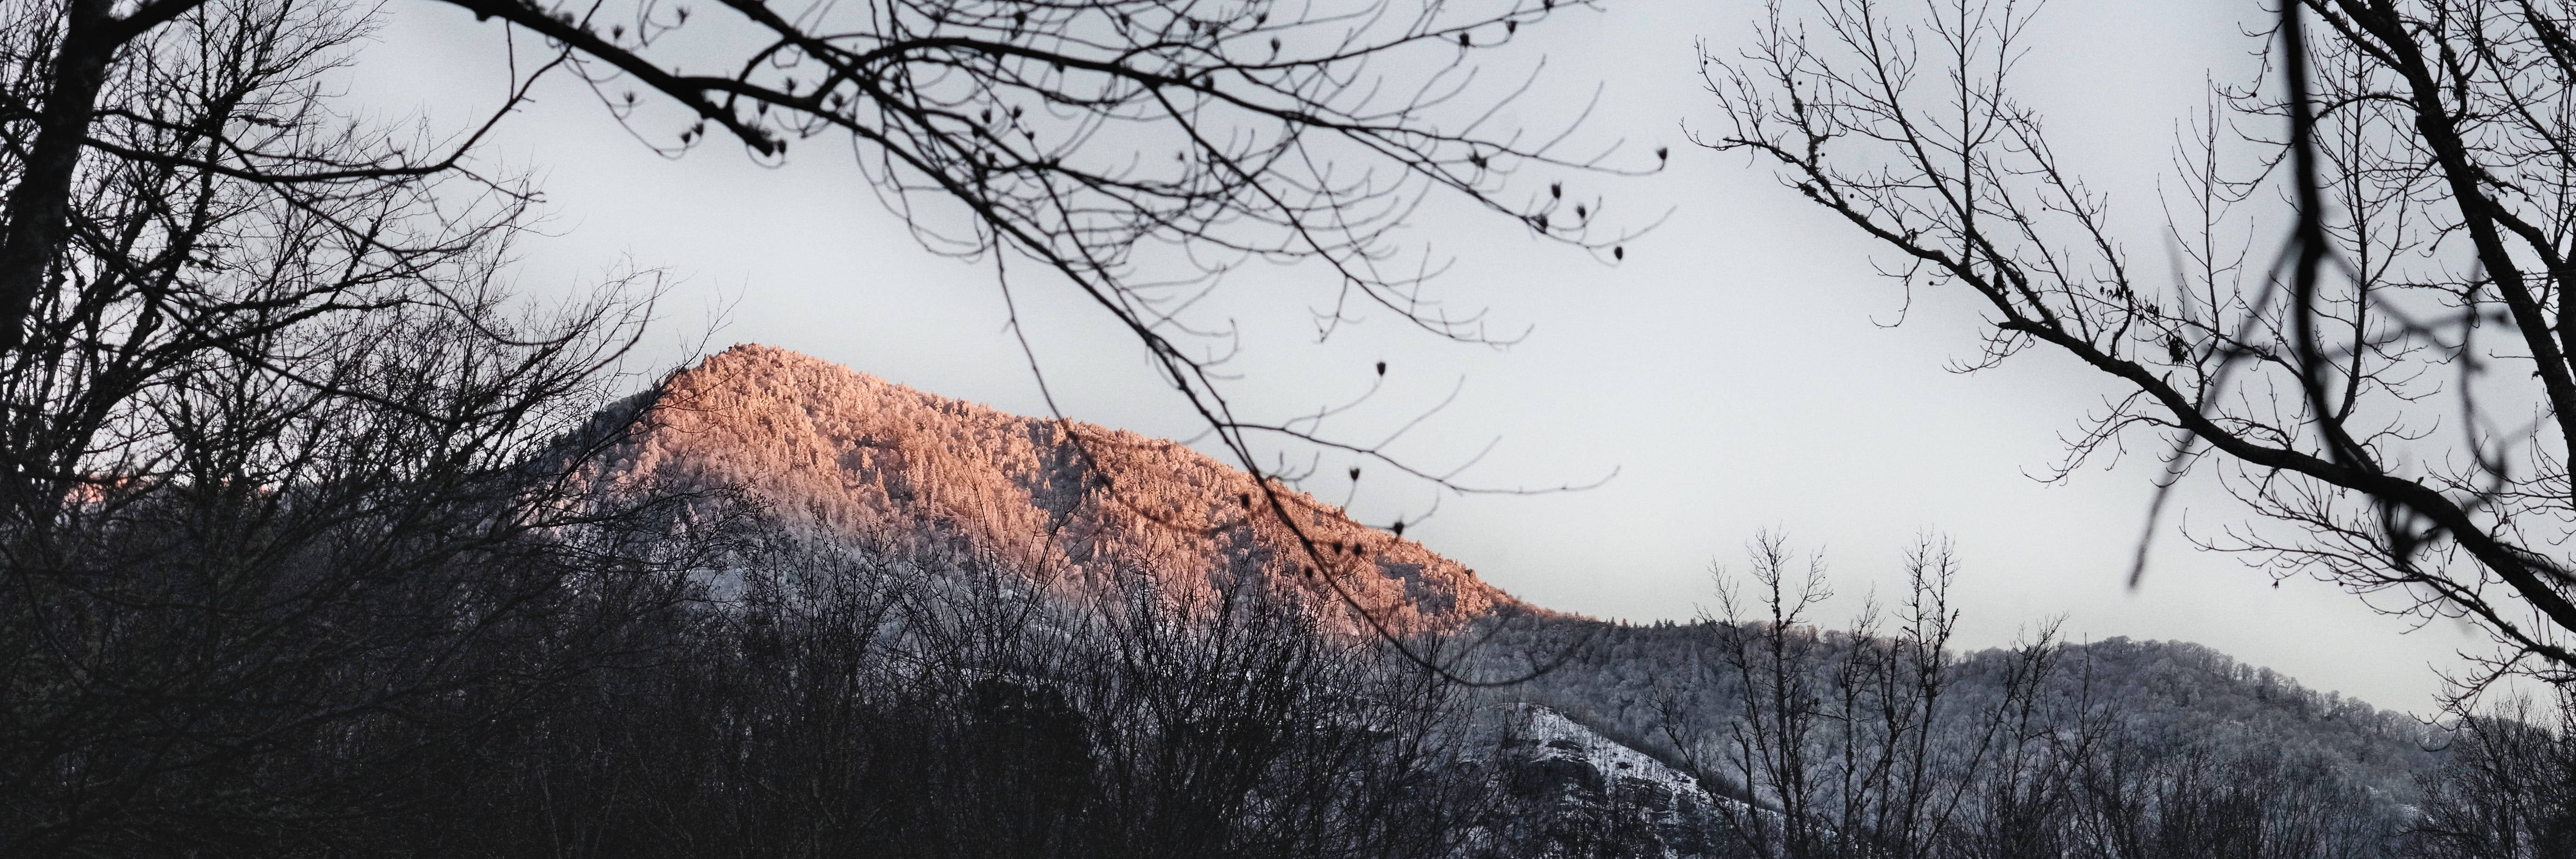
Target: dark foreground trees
(302,551)
(285,523)
(1134,150)
(2509,789)
(937,708)
(305,554)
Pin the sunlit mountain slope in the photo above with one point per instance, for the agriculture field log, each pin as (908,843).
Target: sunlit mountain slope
(1076,504)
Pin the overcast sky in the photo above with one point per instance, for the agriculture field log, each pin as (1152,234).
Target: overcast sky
(1732,370)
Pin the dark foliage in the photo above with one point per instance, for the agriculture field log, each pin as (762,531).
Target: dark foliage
(2509,788)
(846,706)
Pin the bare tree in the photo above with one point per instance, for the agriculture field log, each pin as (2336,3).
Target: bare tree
(860,700)
(295,507)
(301,536)
(2509,787)
(1857,743)
(1880,742)
(2367,334)
(1138,150)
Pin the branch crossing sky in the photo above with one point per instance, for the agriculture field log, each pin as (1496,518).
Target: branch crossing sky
(1735,368)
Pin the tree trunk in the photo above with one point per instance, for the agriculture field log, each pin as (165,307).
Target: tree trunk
(39,208)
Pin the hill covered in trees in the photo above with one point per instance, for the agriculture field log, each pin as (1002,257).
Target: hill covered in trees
(1626,680)
(1769,739)
(776,608)
(839,454)
(2108,748)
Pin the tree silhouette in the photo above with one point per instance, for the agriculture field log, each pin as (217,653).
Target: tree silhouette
(2380,363)
(1138,149)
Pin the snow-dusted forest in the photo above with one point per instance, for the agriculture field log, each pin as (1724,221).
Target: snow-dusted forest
(896,624)
(1115,691)
(321,535)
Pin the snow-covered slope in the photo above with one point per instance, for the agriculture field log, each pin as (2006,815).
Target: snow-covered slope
(853,456)
(1569,791)
(1559,738)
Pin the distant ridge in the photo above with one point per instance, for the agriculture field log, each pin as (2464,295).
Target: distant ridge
(853,456)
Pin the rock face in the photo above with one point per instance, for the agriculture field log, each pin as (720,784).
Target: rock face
(1076,505)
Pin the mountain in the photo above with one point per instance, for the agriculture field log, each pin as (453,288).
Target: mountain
(2169,743)
(842,453)
(2167,697)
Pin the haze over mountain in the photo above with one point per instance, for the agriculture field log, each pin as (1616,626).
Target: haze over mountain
(853,456)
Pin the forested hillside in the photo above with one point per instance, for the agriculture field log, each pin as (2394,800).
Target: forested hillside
(1795,739)
(1792,737)
(838,453)
(806,613)
(1623,679)
(1047,551)
(321,538)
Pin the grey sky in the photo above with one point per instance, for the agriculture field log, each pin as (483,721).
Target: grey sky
(1731,368)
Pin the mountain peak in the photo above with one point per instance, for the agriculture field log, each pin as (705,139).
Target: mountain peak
(854,456)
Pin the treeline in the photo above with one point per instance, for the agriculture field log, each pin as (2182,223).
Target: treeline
(1881,741)
(773,697)
(2509,787)
(844,705)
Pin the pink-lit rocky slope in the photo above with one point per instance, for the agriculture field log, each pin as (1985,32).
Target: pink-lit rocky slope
(853,456)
